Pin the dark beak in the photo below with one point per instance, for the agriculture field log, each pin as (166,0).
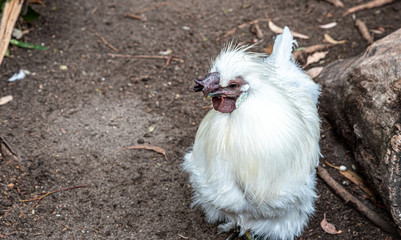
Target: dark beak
(215,94)
(207,85)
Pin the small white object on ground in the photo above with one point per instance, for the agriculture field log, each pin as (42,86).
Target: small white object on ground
(18,76)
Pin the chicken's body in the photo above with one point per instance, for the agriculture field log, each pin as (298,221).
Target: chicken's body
(253,163)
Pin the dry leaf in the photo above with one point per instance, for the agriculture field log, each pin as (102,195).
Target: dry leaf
(269,49)
(331,40)
(317,56)
(359,181)
(314,72)
(148,147)
(377,31)
(301,52)
(278,30)
(6,99)
(363,29)
(328,227)
(328,25)
(368,5)
(336,3)
(356,179)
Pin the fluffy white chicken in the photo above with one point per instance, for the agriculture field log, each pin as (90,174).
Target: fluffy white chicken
(253,161)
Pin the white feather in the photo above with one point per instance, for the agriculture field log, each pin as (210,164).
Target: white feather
(255,167)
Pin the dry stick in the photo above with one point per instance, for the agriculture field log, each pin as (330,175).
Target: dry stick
(256,30)
(105,42)
(48,193)
(363,29)
(336,3)
(134,16)
(340,190)
(9,17)
(173,58)
(372,4)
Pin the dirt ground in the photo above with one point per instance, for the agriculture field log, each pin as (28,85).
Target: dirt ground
(79,107)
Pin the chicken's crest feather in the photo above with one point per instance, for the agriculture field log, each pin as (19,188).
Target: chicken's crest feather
(237,61)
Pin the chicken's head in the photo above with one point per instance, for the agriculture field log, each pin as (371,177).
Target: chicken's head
(225,99)
(230,77)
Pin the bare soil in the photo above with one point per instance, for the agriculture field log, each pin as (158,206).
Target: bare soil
(68,127)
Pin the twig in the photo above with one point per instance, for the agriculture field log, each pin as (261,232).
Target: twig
(340,190)
(172,58)
(148,147)
(134,16)
(107,43)
(363,29)
(336,3)
(181,236)
(37,199)
(256,30)
(168,61)
(372,4)
(164,4)
(244,25)
(9,16)
(4,142)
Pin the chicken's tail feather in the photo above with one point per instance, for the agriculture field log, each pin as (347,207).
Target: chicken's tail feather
(282,50)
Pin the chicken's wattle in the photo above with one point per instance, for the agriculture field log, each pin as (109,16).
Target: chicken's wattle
(224,104)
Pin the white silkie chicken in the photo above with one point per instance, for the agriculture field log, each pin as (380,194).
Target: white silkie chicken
(253,162)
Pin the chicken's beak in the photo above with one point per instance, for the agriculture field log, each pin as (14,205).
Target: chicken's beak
(215,94)
(207,85)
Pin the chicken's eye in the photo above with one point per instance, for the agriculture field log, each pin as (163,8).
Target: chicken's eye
(233,85)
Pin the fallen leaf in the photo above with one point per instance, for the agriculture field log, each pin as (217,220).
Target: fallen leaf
(269,49)
(356,179)
(278,30)
(377,31)
(317,56)
(6,99)
(148,147)
(314,72)
(363,29)
(300,53)
(368,5)
(328,227)
(328,25)
(331,40)
(336,3)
